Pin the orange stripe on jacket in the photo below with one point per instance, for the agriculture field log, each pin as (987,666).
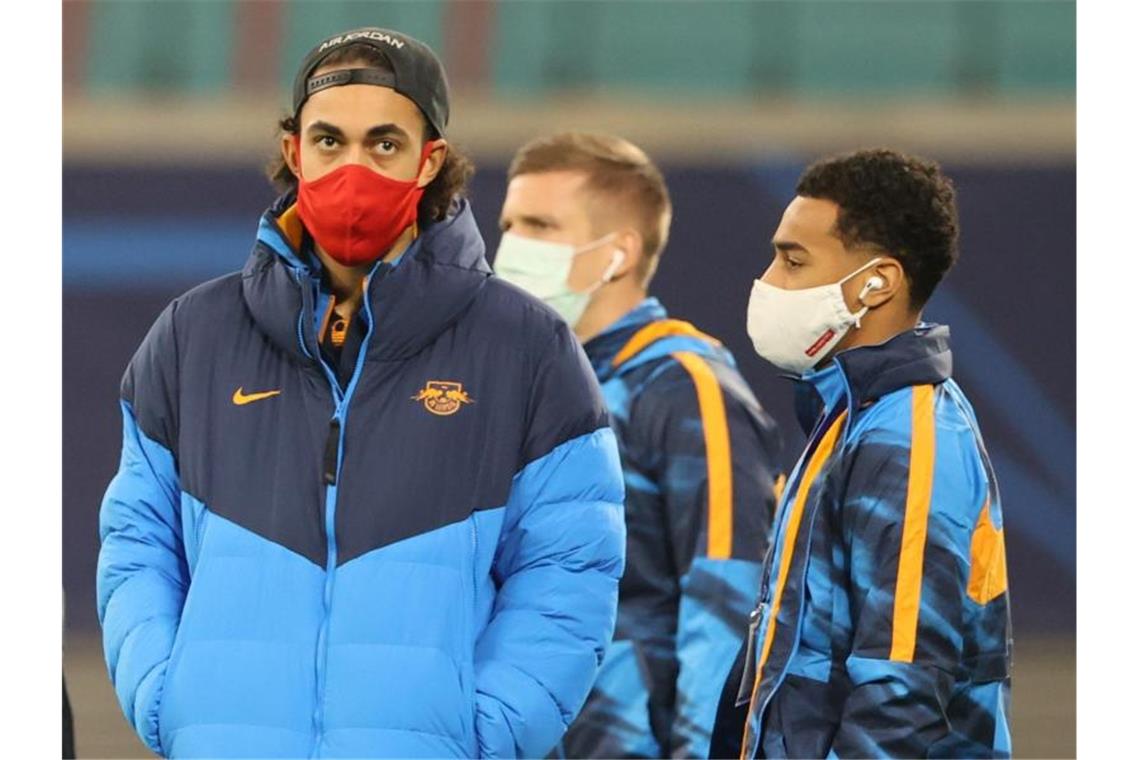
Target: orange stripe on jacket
(654,331)
(920,484)
(810,473)
(718,453)
(988,579)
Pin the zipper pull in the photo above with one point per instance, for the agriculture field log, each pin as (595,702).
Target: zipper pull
(332,446)
(748,677)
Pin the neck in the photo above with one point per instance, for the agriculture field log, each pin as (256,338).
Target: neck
(346,282)
(610,303)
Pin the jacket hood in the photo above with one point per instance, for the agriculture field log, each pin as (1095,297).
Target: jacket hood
(438,277)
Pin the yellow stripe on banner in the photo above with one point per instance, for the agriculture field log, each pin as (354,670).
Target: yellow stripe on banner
(655,331)
(920,483)
(811,472)
(718,453)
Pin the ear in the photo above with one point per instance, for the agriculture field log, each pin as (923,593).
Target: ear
(291,153)
(890,271)
(433,164)
(629,241)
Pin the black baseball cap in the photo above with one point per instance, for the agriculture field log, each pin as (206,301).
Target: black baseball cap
(417,73)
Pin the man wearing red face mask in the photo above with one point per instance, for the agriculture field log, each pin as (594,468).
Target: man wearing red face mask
(369,503)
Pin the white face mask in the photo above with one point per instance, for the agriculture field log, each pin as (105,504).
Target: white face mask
(541,268)
(794,329)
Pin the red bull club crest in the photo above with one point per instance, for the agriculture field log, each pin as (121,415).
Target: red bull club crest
(443,397)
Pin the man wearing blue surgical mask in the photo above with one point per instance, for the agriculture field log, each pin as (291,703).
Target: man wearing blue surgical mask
(882,628)
(584,223)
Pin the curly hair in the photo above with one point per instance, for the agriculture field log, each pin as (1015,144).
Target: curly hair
(902,204)
(441,192)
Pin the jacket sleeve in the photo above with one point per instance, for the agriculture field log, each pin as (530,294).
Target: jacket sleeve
(560,555)
(907,517)
(717,457)
(142,576)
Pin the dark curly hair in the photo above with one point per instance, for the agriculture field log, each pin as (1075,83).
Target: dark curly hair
(441,192)
(902,204)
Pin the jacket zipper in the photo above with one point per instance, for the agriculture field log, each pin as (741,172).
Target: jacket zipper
(820,478)
(759,735)
(332,459)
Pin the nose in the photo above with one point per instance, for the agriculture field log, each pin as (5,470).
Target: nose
(356,155)
(772,275)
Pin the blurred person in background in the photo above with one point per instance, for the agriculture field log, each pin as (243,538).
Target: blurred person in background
(883,628)
(369,503)
(585,221)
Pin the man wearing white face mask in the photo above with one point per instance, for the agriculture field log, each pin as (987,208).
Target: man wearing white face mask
(585,220)
(883,626)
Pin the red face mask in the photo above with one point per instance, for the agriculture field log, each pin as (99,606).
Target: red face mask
(354,213)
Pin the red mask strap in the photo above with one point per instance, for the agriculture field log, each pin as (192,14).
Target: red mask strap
(424,156)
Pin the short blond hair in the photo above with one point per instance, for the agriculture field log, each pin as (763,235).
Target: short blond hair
(614,168)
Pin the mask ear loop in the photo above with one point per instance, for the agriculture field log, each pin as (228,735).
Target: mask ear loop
(427,149)
(615,264)
(874,283)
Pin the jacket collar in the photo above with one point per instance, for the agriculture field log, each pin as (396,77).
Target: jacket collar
(646,335)
(438,277)
(862,375)
(603,347)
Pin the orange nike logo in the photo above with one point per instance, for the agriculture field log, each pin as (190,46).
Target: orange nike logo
(242,399)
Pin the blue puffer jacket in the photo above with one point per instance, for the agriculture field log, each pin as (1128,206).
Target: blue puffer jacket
(883,625)
(421,563)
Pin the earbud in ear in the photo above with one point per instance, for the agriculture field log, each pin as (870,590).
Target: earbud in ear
(874,283)
(615,264)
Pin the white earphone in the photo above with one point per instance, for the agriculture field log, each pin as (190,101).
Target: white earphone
(615,264)
(874,283)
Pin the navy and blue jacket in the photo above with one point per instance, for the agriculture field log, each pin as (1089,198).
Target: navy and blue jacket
(421,562)
(884,628)
(699,457)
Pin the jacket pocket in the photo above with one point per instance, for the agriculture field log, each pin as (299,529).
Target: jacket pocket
(186,621)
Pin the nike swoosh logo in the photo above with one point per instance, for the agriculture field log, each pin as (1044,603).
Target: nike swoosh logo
(242,399)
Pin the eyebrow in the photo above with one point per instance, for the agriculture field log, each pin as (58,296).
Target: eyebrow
(375,133)
(785,246)
(324,126)
(385,130)
(532,220)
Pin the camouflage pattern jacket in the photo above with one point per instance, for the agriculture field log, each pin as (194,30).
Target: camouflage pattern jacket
(699,457)
(883,628)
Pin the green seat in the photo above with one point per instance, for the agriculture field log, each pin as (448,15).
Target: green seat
(178,46)
(1039,46)
(865,49)
(656,48)
(696,48)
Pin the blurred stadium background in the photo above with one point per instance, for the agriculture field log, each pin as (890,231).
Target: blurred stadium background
(169,117)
